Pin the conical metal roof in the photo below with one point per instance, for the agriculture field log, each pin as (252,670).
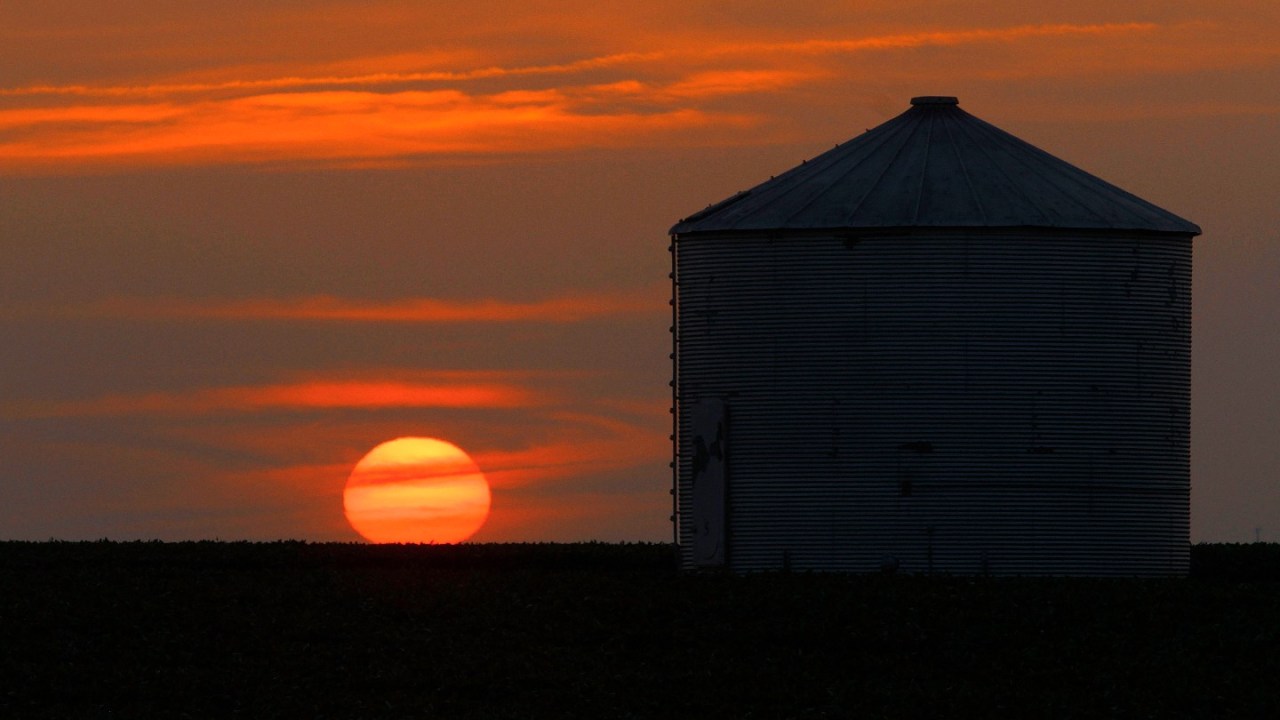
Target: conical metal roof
(935,166)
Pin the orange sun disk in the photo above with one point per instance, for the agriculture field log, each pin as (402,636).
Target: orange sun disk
(416,490)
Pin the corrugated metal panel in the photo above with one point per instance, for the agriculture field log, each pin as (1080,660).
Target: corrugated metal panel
(935,166)
(1004,402)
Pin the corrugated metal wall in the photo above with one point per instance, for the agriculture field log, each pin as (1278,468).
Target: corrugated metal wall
(1003,402)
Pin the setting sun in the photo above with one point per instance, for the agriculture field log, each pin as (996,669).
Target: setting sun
(416,490)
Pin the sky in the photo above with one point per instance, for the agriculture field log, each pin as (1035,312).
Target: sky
(245,243)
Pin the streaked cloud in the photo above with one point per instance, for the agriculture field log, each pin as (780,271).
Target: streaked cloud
(333,125)
(322,81)
(934,38)
(684,54)
(592,445)
(560,309)
(667,95)
(583,465)
(300,395)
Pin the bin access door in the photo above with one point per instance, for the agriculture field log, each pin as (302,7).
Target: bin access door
(710,480)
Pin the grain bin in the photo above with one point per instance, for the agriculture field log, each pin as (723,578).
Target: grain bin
(934,348)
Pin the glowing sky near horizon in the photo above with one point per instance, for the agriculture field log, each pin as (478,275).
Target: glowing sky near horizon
(244,244)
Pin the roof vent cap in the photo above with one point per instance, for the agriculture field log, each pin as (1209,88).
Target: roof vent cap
(934,100)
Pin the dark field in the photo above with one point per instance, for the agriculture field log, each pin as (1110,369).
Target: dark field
(209,630)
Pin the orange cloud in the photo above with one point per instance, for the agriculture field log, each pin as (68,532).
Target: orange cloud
(585,468)
(707,49)
(353,80)
(735,82)
(576,444)
(564,309)
(298,396)
(364,394)
(31,118)
(362,118)
(333,125)
(596,445)
(950,37)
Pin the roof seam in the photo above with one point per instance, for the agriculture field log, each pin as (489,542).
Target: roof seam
(875,183)
(888,134)
(927,122)
(1137,207)
(1046,177)
(964,172)
(1013,183)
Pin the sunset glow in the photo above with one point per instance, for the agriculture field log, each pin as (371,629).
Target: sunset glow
(417,105)
(247,242)
(416,490)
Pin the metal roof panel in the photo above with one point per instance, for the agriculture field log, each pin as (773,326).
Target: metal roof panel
(935,166)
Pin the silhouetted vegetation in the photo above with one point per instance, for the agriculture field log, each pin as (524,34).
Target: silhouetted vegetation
(603,631)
